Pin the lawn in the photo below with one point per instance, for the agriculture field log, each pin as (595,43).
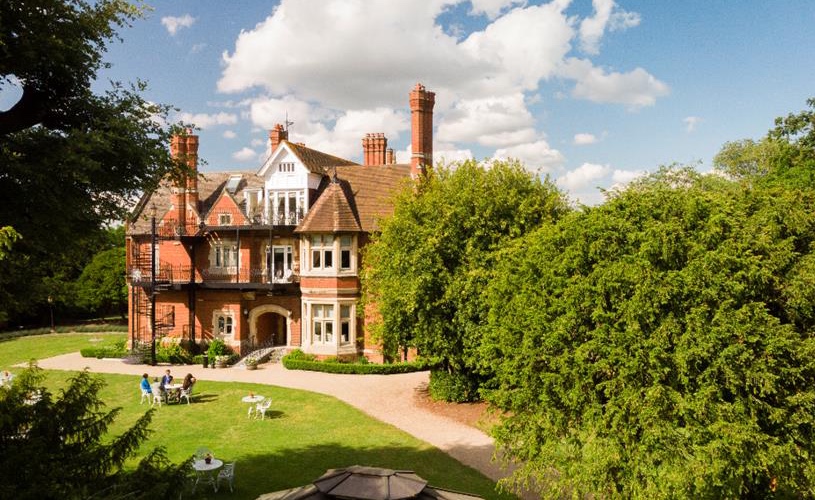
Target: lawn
(303,435)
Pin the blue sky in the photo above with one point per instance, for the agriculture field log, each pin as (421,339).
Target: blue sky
(592,93)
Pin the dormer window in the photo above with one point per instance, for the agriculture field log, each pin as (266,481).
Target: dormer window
(225,219)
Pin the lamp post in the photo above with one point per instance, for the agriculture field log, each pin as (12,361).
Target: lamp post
(51,310)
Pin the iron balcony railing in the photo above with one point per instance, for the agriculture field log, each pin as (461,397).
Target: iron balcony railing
(167,273)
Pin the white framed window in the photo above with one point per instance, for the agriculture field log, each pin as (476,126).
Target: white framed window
(346,250)
(345,324)
(322,251)
(286,167)
(225,255)
(322,323)
(287,207)
(225,219)
(223,324)
(279,261)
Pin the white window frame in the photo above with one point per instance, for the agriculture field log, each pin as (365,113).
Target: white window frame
(288,262)
(225,219)
(281,208)
(322,324)
(225,255)
(227,319)
(349,249)
(321,246)
(346,321)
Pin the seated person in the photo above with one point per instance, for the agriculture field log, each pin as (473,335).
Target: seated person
(185,385)
(5,379)
(167,379)
(145,384)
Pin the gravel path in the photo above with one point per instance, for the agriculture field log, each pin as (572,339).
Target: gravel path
(389,398)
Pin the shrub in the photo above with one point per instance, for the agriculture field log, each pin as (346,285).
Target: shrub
(453,387)
(218,348)
(296,360)
(173,353)
(104,352)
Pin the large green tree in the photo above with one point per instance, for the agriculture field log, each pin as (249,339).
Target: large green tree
(57,446)
(426,268)
(661,345)
(101,288)
(73,159)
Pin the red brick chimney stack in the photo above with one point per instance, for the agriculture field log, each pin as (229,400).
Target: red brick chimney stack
(374,147)
(277,135)
(421,118)
(389,158)
(192,161)
(178,150)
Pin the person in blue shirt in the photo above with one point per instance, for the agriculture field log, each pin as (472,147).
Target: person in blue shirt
(145,384)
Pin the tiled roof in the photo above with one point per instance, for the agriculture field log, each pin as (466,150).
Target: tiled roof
(370,190)
(364,194)
(316,161)
(331,213)
(210,186)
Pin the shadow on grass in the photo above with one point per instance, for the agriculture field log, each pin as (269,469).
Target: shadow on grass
(256,474)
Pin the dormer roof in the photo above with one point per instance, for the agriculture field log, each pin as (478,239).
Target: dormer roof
(315,161)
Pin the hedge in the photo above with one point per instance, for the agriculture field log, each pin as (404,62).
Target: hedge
(353,368)
(103,352)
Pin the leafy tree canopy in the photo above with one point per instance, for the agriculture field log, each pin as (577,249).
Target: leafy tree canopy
(73,159)
(661,345)
(58,447)
(102,287)
(786,155)
(426,268)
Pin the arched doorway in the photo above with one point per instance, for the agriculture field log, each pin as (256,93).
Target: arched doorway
(269,325)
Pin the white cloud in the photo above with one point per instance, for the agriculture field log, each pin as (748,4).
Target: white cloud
(622,177)
(691,122)
(496,121)
(173,23)
(204,120)
(637,88)
(584,138)
(198,47)
(606,15)
(245,154)
(485,82)
(536,156)
(491,8)
(229,134)
(583,176)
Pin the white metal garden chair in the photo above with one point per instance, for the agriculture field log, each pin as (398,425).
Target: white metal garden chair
(186,393)
(227,474)
(262,407)
(157,396)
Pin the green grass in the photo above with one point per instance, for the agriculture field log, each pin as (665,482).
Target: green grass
(22,349)
(307,433)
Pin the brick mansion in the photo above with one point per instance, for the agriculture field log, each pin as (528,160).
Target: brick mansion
(270,257)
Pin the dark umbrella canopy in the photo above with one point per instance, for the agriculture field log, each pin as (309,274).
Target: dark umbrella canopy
(368,483)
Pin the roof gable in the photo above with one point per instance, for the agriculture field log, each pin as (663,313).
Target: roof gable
(332,213)
(314,161)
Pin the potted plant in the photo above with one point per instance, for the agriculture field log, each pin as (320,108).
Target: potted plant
(218,353)
(251,363)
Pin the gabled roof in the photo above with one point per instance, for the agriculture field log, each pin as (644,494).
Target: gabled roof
(332,213)
(210,186)
(315,161)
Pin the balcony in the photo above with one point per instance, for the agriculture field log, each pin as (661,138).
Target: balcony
(167,274)
(278,218)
